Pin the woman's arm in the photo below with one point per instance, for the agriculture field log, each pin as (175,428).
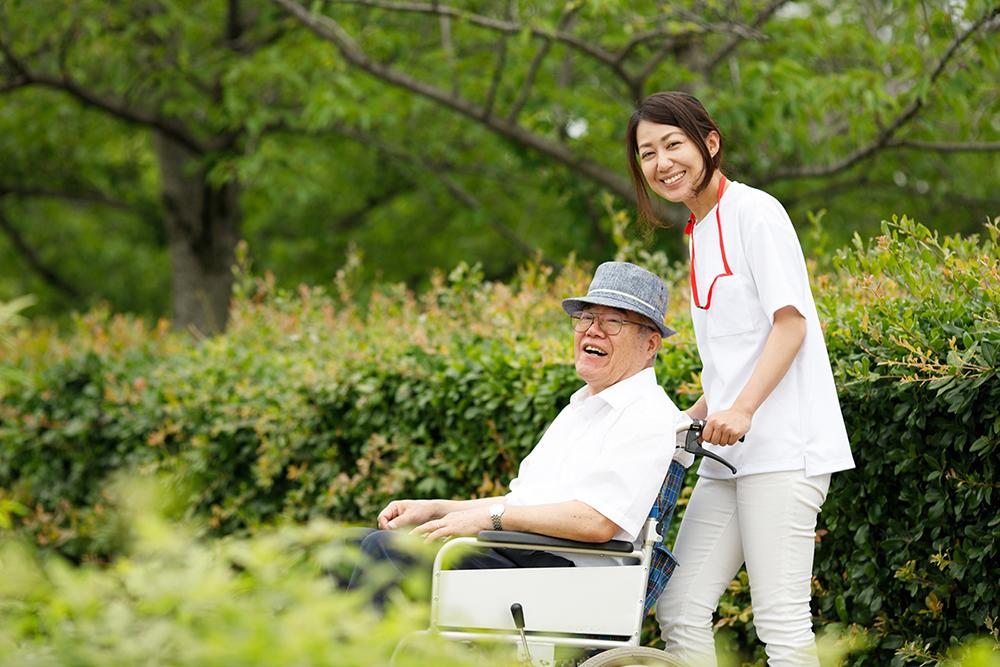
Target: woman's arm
(699,410)
(728,426)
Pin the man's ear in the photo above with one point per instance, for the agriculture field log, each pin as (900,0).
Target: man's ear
(653,344)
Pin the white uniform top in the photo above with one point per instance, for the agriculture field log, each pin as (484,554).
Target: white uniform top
(799,426)
(609,450)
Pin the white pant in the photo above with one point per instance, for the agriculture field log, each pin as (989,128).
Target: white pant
(768,521)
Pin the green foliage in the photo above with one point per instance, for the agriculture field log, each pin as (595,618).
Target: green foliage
(10,316)
(326,155)
(913,532)
(326,404)
(171,599)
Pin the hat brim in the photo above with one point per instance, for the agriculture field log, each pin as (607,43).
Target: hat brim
(579,303)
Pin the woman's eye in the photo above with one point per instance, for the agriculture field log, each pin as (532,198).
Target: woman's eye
(646,155)
(673,144)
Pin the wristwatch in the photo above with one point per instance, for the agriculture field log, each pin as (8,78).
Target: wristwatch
(496,511)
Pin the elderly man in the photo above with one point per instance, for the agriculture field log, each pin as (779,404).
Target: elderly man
(597,469)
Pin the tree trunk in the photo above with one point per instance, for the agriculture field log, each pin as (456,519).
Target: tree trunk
(203,227)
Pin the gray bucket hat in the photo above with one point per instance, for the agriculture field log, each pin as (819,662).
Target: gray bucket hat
(627,286)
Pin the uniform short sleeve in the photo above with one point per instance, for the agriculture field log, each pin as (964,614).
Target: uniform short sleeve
(775,259)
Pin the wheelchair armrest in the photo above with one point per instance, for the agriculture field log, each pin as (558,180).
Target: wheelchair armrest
(546,543)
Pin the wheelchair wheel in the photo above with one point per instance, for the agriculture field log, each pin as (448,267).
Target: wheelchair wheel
(632,656)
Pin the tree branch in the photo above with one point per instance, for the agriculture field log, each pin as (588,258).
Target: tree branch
(234,21)
(331,31)
(647,70)
(13,84)
(945,147)
(111,106)
(353,218)
(46,273)
(510,27)
(536,62)
(736,29)
(498,68)
(736,40)
(885,137)
(453,187)
(86,197)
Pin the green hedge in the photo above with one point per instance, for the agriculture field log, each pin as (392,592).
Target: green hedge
(318,404)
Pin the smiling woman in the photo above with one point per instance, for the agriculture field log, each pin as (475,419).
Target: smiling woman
(764,363)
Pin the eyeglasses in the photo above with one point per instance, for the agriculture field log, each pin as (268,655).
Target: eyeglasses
(610,324)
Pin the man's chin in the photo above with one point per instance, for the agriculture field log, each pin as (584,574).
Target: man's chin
(588,373)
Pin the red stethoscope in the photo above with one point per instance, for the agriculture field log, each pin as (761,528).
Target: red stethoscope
(689,231)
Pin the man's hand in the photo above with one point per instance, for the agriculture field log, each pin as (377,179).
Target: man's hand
(726,427)
(401,513)
(462,522)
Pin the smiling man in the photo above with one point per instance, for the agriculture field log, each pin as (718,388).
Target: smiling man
(597,469)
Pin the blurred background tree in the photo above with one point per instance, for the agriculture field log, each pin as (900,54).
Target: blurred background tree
(140,141)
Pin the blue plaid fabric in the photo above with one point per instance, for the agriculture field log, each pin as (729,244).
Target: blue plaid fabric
(663,563)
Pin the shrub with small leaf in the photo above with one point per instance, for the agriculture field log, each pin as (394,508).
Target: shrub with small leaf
(323,403)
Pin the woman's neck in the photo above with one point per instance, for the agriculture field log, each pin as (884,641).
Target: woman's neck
(701,204)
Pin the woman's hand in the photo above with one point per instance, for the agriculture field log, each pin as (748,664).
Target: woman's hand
(726,427)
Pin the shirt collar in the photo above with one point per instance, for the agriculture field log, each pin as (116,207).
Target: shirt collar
(621,393)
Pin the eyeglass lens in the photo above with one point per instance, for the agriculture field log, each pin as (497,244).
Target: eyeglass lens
(609,325)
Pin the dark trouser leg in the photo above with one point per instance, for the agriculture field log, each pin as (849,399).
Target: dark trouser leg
(378,546)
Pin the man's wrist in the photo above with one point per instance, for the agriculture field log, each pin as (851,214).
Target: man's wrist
(496,515)
(440,507)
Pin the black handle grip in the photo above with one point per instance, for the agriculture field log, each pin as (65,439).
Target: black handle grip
(518,613)
(692,444)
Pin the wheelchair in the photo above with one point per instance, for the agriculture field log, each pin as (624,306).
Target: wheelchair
(586,610)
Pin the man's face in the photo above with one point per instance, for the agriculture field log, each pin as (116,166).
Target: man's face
(603,360)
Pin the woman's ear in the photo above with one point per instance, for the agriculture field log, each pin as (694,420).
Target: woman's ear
(713,141)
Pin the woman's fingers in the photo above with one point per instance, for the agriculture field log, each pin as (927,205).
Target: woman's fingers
(725,427)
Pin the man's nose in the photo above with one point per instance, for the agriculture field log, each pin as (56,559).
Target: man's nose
(595,328)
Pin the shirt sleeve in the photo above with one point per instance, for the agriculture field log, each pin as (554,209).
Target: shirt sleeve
(775,259)
(622,483)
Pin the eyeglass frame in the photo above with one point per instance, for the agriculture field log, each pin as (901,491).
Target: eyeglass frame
(578,316)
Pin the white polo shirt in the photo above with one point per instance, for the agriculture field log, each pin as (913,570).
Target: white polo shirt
(799,426)
(609,450)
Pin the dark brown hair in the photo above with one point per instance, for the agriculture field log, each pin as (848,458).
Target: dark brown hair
(680,110)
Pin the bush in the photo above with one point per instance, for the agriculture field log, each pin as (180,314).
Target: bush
(317,404)
(912,546)
(169,599)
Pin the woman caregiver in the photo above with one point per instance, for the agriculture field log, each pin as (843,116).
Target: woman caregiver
(765,375)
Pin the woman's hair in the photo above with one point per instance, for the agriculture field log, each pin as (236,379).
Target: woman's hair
(680,110)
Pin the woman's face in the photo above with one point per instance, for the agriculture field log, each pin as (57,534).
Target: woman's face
(671,161)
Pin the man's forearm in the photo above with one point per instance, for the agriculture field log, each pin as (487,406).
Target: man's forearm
(572,520)
(447,506)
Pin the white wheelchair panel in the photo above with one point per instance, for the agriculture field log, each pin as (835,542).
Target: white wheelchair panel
(578,600)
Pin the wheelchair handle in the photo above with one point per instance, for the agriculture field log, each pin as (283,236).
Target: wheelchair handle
(692,444)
